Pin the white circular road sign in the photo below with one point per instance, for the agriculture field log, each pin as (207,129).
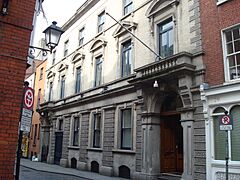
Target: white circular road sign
(28,98)
(225,120)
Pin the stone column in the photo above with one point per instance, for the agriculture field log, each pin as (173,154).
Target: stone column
(187,124)
(44,140)
(65,143)
(50,158)
(151,145)
(82,163)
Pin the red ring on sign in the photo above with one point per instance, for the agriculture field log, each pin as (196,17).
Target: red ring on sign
(225,120)
(28,98)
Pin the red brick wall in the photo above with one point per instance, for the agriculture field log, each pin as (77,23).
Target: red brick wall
(15,30)
(213,19)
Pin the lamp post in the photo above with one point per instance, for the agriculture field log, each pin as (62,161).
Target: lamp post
(52,37)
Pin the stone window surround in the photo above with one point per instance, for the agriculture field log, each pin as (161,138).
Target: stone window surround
(117,128)
(58,123)
(97,49)
(91,126)
(72,129)
(159,14)
(122,37)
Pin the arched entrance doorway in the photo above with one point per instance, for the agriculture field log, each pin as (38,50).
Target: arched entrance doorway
(171,136)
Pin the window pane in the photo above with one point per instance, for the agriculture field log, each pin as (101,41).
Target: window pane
(126,59)
(127,140)
(127,118)
(228,36)
(170,42)
(219,140)
(78,80)
(235,113)
(238,59)
(97,130)
(236,33)
(97,139)
(233,73)
(237,45)
(229,48)
(98,73)
(231,61)
(62,87)
(166,39)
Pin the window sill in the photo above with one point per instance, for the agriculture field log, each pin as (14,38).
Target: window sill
(73,147)
(95,149)
(221,2)
(233,81)
(222,164)
(123,151)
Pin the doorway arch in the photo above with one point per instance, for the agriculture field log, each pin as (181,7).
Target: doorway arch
(171,136)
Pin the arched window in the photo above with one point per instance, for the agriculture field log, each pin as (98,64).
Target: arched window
(219,136)
(95,166)
(124,172)
(74,163)
(235,133)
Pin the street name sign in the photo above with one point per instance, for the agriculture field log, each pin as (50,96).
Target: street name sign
(27,109)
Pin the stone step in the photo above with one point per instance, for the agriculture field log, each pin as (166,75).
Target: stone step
(168,176)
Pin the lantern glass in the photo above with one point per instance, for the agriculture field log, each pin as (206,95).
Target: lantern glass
(52,35)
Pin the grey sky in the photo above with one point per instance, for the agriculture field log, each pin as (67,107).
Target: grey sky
(55,10)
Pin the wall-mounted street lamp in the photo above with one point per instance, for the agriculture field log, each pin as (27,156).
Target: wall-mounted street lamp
(4,9)
(52,37)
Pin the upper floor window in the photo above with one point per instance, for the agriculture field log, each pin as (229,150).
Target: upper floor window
(96,130)
(81,36)
(78,80)
(232,52)
(39,98)
(101,21)
(35,134)
(75,131)
(126,59)
(166,38)
(126,129)
(128,6)
(53,57)
(98,71)
(50,91)
(60,125)
(62,87)
(41,74)
(66,44)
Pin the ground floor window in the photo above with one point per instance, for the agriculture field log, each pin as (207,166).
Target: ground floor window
(233,136)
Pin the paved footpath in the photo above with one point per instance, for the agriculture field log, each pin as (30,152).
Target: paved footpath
(51,168)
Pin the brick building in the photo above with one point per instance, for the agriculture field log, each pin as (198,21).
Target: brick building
(38,87)
(220,22)
(15,31)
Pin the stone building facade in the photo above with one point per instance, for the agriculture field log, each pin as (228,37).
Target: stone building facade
(220,93)
(113,106)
